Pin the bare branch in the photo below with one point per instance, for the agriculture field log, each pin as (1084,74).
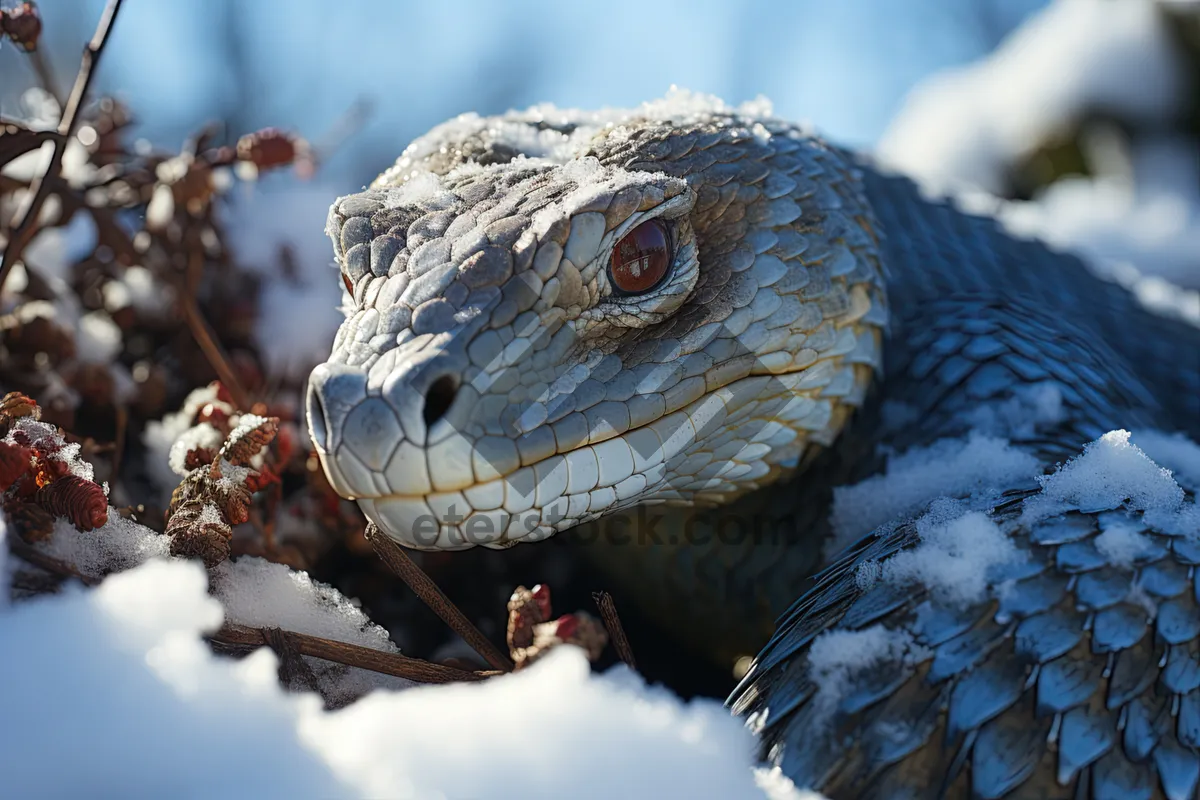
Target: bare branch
(25,224)
(399,562)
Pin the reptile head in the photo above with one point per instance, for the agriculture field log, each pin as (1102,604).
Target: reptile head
(554,316)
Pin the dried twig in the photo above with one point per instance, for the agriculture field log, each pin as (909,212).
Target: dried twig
(204,336)
(399,562)
(413,669)
(25,224)
(616,631)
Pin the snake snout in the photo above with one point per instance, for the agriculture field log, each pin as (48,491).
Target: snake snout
(335,393)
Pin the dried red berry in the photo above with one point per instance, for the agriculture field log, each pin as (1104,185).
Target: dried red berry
(567,625)
(541,595)
(15,461)
(79,500)
(270,148)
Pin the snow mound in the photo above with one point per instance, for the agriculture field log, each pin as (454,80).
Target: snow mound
(961,128)
(1176,452)
(152,710)
(1121,541)
(1110,471)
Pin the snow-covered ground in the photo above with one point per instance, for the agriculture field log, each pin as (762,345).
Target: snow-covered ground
(962,131)
(119,683)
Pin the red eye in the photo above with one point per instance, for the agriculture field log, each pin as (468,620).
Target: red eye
(349,285)
(641,258)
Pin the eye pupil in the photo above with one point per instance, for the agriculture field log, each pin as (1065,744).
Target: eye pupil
(641,258)
(348,284)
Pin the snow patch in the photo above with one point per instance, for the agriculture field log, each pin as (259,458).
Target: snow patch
(98,339)
(836,657)
(157,708)
(950,467)
(117,545)
(961,128)
(956,552)
(1175,451)
(1110,471)
(1121,541)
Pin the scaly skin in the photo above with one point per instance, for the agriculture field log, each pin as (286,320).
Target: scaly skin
(489,386)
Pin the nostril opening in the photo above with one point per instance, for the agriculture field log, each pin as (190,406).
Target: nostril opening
(439,397)
(316,417)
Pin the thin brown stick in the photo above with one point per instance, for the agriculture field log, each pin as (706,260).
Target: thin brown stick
(616,631)
(203,335)
(398,562)
(25,224)
(413,669)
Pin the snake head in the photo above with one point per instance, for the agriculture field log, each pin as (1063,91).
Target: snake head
(556,316)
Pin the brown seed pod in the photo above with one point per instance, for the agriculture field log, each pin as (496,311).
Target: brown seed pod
(23,24)
(15,461)
(16,405)
(271,147)
(197,531)
(80,501)
(251,435)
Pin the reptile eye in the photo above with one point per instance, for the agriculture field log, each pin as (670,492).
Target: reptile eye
(348,284)
(641,259)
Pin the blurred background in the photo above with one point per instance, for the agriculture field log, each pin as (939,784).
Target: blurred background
(1077,121)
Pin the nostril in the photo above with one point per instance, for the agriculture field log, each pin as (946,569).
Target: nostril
(438,398)
(316,417)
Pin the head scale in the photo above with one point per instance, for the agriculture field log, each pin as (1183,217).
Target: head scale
(491,384)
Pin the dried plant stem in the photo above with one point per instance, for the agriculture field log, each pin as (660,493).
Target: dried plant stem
(413,669)
(616,631)
(25,224)
(398,562)
(204,336)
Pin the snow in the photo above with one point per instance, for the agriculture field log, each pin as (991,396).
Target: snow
(961,132)
(203,435)
(837,656)
(117,545)
(297,318)
(160,437)
(953,467)
(1109,472)
(1174,451)
(98,339)
(959,129)
(956,552)
(152,709)
(1121,541)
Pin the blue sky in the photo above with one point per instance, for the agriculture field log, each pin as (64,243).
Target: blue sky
(844,65)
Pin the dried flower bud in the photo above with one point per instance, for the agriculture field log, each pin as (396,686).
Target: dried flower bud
(524,612)
(251,435)
(198,531)
(22,24)
(16,405)
(271,148)
(80,501)
(31,522)
(15,461)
